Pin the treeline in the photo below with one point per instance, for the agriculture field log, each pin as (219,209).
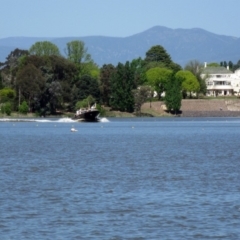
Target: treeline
(42,81)
(231,65)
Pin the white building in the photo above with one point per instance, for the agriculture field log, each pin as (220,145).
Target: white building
(235,82)
(221,81)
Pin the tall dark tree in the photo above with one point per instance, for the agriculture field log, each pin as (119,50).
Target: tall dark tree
(174,67)
(122,84)
(236,66)
(173,97)
(117,89)
(139,68)
(157,56)
(130,84)
(52,97)
(230,64)
(12,59)
(74,97)
(30,84)
(88,86)
(106,73)
(11,66)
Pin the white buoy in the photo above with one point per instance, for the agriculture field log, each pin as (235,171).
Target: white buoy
(73,130)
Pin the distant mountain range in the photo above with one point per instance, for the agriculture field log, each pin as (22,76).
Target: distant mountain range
(182,44)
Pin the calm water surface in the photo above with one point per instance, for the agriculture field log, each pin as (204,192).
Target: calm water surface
(141,178)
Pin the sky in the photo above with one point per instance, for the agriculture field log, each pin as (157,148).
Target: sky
(115,18)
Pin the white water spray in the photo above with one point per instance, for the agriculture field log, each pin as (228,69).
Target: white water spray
(104,120)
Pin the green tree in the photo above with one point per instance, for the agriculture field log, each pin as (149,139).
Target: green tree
(157,78)
(84,87)
(141,94)
(52,97)
(230,64)
(158,54)
(85,103)
(59,75)
(150,65)
(44,48)
(77,52)
(174,67)
(90,68)
(173,96)
(88,86)
(106,73)
(6,95)
(139,69)
(10,67)
(188,81)
(196,68)
(12,59)
(30,83)
(122,84)
(236,66)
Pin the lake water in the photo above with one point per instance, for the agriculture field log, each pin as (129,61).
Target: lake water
(139,178)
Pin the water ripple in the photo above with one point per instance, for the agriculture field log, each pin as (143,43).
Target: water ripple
(163,180)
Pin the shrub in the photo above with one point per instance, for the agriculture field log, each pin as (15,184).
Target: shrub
(23,108)
(6,108)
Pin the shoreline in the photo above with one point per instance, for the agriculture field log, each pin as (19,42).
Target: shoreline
(186,114)
(189,108)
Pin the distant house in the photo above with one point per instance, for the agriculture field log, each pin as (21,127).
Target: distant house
(235,82)
(221,81)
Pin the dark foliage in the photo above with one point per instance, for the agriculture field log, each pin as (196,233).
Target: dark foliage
(105,83)
(173,95)
(122,84)
(158,54)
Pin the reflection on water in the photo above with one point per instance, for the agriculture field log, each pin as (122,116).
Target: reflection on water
(125,179)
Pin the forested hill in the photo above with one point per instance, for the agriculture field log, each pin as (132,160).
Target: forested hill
(182,44)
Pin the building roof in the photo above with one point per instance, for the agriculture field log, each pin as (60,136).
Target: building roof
(216,70)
